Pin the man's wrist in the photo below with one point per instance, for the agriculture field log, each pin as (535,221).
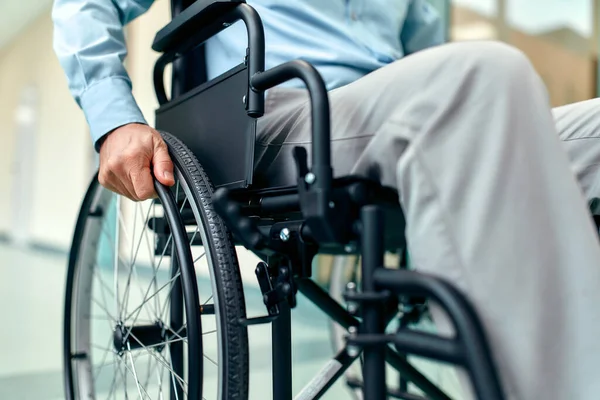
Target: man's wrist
(102,139)
(108,105)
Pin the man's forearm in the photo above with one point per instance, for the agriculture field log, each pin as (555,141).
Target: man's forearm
(89,42)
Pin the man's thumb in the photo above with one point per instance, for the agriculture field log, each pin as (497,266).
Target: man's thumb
(163,166)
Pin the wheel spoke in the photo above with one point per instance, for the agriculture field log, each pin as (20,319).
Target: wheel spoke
(210,359)
(134,372)
(146,299)
(108,364)
(105,349)
(154,275)
(152,263)
(175,333)
(160,381)
(183,205)
(104,284)
(149,371)
(131,258)
(103,362)
(112,245)
(175,387)
(194,237)
(206,302)
(132,266)
(123,377)
(121,222)
(199,257)
(116,261)
(113,384)
(164,250)
(102,293)
(113,319)
(161,360)
(163,312)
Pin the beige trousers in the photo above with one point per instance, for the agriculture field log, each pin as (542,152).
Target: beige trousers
(494,185)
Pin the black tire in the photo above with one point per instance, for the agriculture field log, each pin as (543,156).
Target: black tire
(226,273)
(226,284)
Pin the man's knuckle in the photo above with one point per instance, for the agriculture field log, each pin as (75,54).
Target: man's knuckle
(144,192)
(113,164)
(129,155)
(147,139)
(103,177)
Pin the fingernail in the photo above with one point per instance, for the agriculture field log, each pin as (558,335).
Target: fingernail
(167,175)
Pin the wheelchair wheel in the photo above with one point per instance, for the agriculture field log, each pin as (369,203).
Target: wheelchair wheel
(131,306)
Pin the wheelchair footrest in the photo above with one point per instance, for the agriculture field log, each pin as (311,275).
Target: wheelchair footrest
(416,343)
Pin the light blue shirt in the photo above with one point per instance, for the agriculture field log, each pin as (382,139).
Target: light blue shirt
(343,39)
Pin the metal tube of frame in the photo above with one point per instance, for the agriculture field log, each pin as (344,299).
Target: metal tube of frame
(316,388)
(469,332)
(256,54)
(427,345)
(373,317)
(321,125)
(411,374)
(281,338)
(329,306)
(279,204)
(336,312)
(179,65)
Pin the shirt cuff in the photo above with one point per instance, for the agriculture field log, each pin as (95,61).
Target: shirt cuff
(108,105)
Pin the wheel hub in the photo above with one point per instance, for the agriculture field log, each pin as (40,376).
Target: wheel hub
(137,337)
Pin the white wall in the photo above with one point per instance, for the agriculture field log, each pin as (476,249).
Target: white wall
(63,149)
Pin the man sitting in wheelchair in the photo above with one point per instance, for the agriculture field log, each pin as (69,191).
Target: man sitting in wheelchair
(493,183)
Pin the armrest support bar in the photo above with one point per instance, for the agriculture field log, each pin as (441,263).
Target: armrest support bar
(256,55)
(321,147)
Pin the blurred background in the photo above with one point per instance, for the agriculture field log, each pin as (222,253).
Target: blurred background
(47,160)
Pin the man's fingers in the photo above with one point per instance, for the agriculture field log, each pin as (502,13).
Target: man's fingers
(120,183)
(143,184)
(128,157)
(162,164)
(112,182)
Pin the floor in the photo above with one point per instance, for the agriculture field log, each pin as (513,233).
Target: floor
(31,303)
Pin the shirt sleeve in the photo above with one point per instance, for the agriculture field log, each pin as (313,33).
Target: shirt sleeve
(422,28)
(89,42)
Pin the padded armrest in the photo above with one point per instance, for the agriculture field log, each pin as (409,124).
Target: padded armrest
(193,18)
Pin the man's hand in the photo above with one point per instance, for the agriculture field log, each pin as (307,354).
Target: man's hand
(126,157)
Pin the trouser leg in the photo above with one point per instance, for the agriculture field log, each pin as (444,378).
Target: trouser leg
(465,133)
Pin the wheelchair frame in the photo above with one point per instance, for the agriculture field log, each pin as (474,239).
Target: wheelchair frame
(287,227)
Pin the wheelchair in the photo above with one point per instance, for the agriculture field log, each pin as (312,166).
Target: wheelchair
(155,304)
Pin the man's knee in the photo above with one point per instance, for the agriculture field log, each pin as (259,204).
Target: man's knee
(496,65)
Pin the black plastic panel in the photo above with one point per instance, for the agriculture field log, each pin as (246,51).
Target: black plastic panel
(212,121)
(198,14)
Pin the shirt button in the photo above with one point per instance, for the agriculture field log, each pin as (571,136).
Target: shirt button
(353,16)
